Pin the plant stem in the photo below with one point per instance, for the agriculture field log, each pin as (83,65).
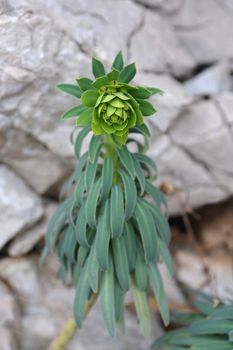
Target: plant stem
(68,331)
(111,152)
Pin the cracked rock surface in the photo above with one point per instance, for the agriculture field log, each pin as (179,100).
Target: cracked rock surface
(183,47)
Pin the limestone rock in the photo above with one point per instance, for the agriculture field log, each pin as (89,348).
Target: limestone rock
(25,241)
(214,80)
(20,207)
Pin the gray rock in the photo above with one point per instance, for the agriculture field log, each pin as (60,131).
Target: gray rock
(214,80)
(9,319)
(25,241)
(20,207)
(162,51)
(198,24)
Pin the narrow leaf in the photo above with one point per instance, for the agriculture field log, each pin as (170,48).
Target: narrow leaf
(97,67)
(85,84)
(78,144)
(73,112)
(130,194)
(81,227)
(94,146)
(118,62)
(116,211)
(121,262)
(70,89)
(126,160)
(106,177)
(103,237)
(91,203)
(81,296)
(127,73)
(146,107)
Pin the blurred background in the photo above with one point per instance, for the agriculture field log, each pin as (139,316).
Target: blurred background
(183,47)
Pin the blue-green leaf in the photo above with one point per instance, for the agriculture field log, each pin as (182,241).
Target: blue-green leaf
(106,177)
(126,160)
(81,227)
(116,211)
(121,262)
(142,309)
(146,227)
(78,144)
(130,243)
(91,203)
(107,299)
(94,146)
(103,237)
(130,194)
(157,286)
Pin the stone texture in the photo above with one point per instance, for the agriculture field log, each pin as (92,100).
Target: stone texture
(20,207)
(26,240)
(211,81)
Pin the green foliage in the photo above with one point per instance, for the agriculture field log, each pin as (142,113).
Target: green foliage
(112,105)
(111,230)
(210,327)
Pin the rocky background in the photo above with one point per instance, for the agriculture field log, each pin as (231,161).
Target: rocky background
(183,47)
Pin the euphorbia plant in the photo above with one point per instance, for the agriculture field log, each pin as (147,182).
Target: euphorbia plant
(111,228)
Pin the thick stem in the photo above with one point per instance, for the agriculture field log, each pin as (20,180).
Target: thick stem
(111,152)
(68,331)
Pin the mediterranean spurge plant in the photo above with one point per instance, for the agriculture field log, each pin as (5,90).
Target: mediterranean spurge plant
(111,228)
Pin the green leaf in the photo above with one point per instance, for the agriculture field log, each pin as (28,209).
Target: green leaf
(101,81)
(97,67)
(154,91)
(121,262)
(141,274)
(160,222)
(107,299)
(103,237)
(141,93)
(146,161)
(140,175)
(118,62)
(94,147)
(130,194)
(91,203)
(119,301)
(113,75)
(146,227)
(116,211)
(73,112)
(211,327)
(126,160)
(157,286)
(141,129)
(90,173)
(70,89)
(142,309)
(156,194)
(56,223)
(130,244)
(85,83)
(85,117)
(89,98)
(81,296)
(163,249)
(106,177)
(81,228)
(93,269)
(78,144)
(127,73)
(146,107)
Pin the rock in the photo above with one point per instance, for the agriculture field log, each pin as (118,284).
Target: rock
(213,80)
(191,270)
(20,207)
(32,160)
(25,241)
(197,26)
(162,52)
(9,319)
